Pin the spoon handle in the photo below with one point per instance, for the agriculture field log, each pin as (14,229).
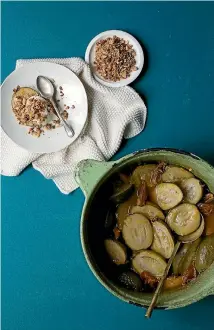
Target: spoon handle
(69,130)
(160,284)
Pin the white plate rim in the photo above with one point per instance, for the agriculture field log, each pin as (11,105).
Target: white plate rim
(125,35)
(85,96)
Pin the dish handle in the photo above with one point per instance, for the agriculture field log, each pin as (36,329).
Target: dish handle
(89,172)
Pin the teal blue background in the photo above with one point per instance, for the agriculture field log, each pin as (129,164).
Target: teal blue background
(46,284)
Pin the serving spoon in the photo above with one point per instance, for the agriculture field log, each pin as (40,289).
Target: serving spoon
(47,90)
(161,282)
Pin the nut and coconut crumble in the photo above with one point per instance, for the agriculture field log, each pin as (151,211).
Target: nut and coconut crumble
(115,58)
(33,111)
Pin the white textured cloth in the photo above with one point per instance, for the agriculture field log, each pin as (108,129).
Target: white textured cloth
(114,113)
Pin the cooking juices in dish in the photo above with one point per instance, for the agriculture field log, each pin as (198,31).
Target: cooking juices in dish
(33,111)
(151,208)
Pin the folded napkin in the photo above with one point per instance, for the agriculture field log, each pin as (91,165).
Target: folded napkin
(114,113)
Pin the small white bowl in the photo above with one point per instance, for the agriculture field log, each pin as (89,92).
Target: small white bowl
(90,57)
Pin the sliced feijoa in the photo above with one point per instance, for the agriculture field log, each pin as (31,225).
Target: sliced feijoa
(184,219)
(192,190)
(168,195)
(149,261)
(152,195)
(179,258)
(122,192)
(131,281)
(137,232)
(24,92)
(124,208)
(150,211)
(142,172)
(189,258)
(116,251)
(176,174)
(163,242)
(205,253)
(195,235)
(153,204)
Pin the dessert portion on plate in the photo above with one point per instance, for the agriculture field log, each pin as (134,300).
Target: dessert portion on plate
(32,110)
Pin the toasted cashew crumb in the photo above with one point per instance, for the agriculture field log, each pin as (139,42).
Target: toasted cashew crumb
(115,58)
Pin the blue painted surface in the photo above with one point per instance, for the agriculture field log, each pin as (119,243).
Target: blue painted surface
(46,282)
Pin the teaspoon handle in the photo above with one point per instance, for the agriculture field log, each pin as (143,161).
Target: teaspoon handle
(69,130)
(160,284)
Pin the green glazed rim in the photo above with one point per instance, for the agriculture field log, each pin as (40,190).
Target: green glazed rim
(91,174)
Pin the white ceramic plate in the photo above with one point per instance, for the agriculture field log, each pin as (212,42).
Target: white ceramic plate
(90,56)
(74,95)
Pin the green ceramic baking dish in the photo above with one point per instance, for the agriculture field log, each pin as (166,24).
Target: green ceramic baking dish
(93,178)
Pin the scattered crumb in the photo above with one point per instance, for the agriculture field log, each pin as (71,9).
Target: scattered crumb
(16,89)
(65,114)
(35,131)
(56,122)
(53,125)
(48,127)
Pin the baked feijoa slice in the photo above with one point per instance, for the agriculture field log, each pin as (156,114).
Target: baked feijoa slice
(205,254)
(24,92)
(116,251)
(149,261)
(150,211)
(195,234)
(168,195)
(192,190)
(189,257)
(163,242)
(143,173)
(124,208)
(177,262)
(137,232)
(174,174)
(184,219)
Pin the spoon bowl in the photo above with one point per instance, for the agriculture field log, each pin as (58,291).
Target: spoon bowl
(45,87)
